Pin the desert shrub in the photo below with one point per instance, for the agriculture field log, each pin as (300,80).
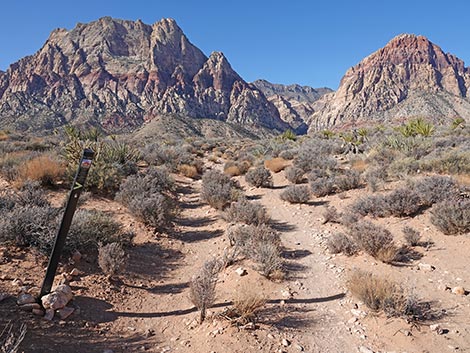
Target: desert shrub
(235,168)
(380,294)
(188,171)
(452,217)
(296,194)
(370,237)
(402,202)
(275,165)
(202,287)
(10,162)
(373,205)
(287,154)
(247,212)
(155,180)
(412,236)
(309,162)
(268,257)
(30,225)
(259,177)
(331,214)
(452,161)
(348,218)
(348,180)
(246,304)
(294,175)
(218,190)
(375,178)
(245,236)
(388,254)
(259,243)
(156,210)
(111,258)
(322,186)
(340,243)
(436,188)
(31,194)
(91,227)
(44,169)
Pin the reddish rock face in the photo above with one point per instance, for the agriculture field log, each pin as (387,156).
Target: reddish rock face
(410,76)
(116,73)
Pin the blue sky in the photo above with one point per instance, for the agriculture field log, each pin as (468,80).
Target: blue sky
(307,42)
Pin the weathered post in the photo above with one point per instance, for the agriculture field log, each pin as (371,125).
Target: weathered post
(76,190)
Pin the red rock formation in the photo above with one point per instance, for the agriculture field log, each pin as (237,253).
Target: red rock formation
(410,76)
(119,73)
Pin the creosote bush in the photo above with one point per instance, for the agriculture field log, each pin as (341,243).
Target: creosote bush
(218,190)
(296,194)
(111,258)
(436,188)
(247,212)
(349,179)
(259,177)
(322,186)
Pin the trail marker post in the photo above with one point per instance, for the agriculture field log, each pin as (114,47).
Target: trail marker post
(76,190)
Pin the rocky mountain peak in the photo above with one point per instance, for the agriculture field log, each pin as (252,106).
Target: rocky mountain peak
(397,81)
(120,74)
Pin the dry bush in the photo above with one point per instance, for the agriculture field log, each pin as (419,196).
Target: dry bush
(247,303)
(294,175)
(375,178)
(156,210)
(218,190)
(259,177)
(412,236)
(275,165)
(247,212)
(268,257)
(436,188)
(373,205)
(232,170)
(370,237)
(202,287)
(235,168)
(189,171)
(10,340)
(348,180)
(340,243)
(322,186)
(380,294)
(296,194)
(259,243)
(402,203)
(287,154)
(388,254)
(452,217)
(376,293)
(348,218)
(331,215)
(44,169)
(111,258)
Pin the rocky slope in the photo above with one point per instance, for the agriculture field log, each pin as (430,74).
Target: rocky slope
(294,102)
(118,74)
(410,76)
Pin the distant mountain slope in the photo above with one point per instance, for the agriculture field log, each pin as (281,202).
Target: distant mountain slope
(294,102)
(410,76)
(119,74)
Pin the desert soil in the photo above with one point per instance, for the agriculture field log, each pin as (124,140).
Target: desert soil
(148,307)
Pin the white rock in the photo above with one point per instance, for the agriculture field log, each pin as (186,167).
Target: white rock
(285,342)
(459,290)
(426,267)
(363,349)
(241,271)
(49,314)
(58,298)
